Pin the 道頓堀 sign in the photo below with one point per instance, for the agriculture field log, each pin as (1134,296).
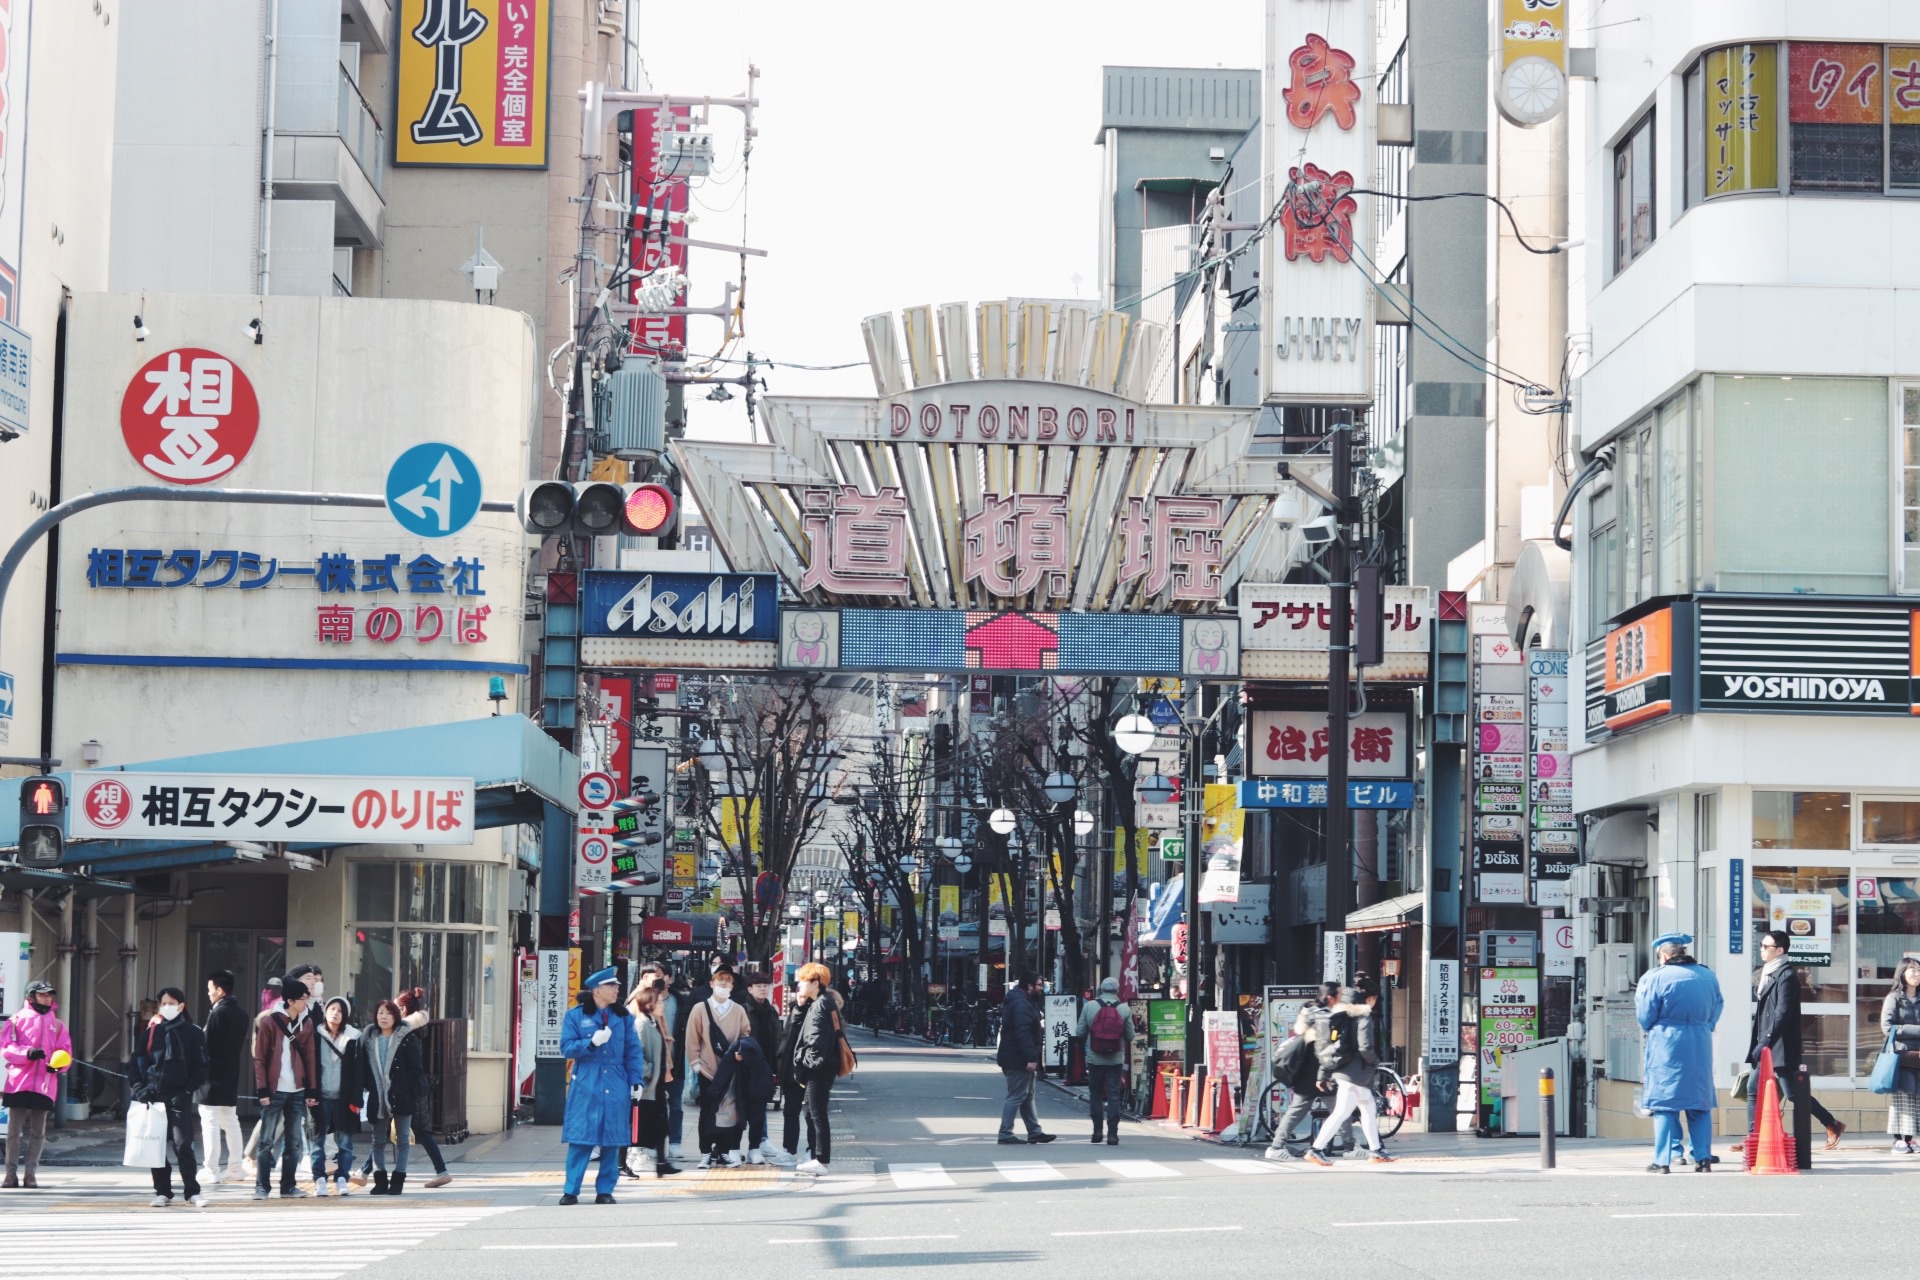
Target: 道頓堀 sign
(112,805)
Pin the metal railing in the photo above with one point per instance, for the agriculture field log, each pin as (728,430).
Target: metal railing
(360,131)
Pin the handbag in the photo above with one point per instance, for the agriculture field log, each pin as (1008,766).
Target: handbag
(1743,1084)
(1886,1069)
(849,1060)
(146,1136)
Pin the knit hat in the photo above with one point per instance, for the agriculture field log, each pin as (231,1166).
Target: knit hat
(1109,986)
(292,989)
(345,1004)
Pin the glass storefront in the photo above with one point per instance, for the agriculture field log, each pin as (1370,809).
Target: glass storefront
(425,924)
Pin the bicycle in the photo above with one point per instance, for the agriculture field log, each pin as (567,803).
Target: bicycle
(1389,1102)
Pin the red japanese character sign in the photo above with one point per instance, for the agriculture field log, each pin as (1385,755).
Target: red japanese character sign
(1297,744)
(107,804)
(189,416)
(1320,84)
(1316,221)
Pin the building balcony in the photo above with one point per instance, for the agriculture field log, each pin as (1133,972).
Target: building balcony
(366,23)
(342,160)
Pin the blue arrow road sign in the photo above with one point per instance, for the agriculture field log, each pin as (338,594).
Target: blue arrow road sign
(433,490)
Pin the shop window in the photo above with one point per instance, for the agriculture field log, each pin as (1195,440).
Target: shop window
(421,924)
(1836,113)
(1890,822)
(1634,228)
(1603,560)
(1887,925)
(1799,492)
(1812,905)
(1643,529)
(1802,820)
(1907,488)
(1732,98)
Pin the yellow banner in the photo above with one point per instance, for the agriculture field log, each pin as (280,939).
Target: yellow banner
(574,976)
(731,811)
(1142,844)
(1224,817)
(1742,110)
(472,83)
(685,872)
(1533,29)
(849,924)
(949,904)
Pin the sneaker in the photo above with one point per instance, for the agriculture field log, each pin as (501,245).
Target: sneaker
(785,1159)
(209,1177)
(260,1193)
(1703,1167)
(1037,1138)
(1381,1157)
(674,1152)
(295,1193)
(341,1187)
(322,1188)
(811,1166)
(200,1201)
(771,1152)
(1279,1155)
(733,1160)
(1316,1156)
(755,1156)
(706,1161)
(159,1202)
(439,1179)
(1900,1147)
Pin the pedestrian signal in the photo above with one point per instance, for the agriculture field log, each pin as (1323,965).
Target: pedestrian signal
(43,821)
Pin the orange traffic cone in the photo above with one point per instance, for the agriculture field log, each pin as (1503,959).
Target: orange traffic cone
(1224,1112)
(1769,1150)
(1190,1095)
(1206,1107)
(1162,1094)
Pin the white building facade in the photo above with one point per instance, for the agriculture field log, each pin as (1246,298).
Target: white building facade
(1746,570)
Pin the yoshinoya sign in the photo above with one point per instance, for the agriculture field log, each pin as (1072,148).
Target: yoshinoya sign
(1853,659)
(1639,671)
(310,809)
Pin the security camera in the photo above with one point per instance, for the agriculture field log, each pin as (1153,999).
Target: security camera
(1287,508)
(1323,528)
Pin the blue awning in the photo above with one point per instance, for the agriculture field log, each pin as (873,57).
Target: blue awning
(520,775)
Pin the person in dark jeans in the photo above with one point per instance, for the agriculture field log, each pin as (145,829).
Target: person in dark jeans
(1109,1040)
(1776,1026)
(816,1058)
(171,1066)
(286,1080)
(343,1084)
(1019,1058)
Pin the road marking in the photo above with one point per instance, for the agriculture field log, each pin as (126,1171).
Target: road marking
(1424,1222)
(623,1244)
(914,1177)
(1698,1215)
(1241,1165)
(850,1239)
(1140,1169)
(1147,1231)
(1027,1171)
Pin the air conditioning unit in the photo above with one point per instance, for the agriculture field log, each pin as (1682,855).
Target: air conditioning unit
(633,411)
(1611,969)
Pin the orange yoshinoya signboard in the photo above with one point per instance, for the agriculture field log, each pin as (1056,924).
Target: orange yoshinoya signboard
(1639,670)
(471,83)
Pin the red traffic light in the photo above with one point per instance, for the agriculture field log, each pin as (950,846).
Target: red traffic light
(649,510)
(43,798)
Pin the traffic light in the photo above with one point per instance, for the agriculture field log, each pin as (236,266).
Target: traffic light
(596,508)
(43,821)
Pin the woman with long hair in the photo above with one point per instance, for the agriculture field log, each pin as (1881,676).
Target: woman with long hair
(650,1113)
(398,1081)
(816,1057)
(1900,1019)
(413,1004)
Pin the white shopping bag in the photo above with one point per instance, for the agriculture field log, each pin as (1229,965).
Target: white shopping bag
(146,1136)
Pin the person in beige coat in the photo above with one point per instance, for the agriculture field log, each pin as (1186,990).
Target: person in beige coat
(713,1028)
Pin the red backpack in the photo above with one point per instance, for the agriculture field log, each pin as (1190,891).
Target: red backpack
(1109,1030)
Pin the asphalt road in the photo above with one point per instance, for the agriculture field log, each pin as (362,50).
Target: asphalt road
(920,1188)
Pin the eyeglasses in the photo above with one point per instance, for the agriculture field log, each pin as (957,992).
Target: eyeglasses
(1769,946)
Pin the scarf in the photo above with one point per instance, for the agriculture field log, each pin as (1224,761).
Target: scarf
(380,1049)
(1768,972)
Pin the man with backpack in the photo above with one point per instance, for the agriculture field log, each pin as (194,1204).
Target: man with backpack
(1298,1067)
(1347,1060)
(1105,1026)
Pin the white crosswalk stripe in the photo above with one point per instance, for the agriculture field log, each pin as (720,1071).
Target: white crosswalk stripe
(1241,1164)
(1027,1171)
(914,1177)
(184,1244)
(918,1177)
(1140,1169)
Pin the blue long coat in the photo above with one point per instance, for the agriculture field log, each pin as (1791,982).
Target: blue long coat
(1678,1005)
(603,1076)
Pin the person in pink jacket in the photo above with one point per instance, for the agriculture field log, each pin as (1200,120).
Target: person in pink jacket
(28,1041)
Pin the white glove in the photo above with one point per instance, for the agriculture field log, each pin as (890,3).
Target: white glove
(601,1036)
(637,1093)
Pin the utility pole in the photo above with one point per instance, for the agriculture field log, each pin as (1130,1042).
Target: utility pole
(1339,649)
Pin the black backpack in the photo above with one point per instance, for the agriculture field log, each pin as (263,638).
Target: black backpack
(1337,1047)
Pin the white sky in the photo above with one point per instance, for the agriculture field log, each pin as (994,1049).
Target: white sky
(908,153)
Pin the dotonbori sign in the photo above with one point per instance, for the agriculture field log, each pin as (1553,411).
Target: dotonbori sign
(311,809)
(1012,503)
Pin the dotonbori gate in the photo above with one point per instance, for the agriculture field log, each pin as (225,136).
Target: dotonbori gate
(1017,508)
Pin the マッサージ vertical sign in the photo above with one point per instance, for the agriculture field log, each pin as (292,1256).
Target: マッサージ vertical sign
(471,83)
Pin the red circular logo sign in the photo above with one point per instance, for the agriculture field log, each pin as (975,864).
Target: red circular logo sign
(108,804)
(189,416)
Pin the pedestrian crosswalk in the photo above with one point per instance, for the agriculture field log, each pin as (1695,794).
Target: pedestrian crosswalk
(183,1243)
(925,1176)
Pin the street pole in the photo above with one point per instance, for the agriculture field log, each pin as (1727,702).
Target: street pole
(1339,651)
(1192,790)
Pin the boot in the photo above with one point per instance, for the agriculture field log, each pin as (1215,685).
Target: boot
(397,1184)
(1097,1130)
(379,1183)
(11,1181)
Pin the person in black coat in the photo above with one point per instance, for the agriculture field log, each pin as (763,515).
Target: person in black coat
(343,1084)
(1019,1058)
(170,1067)
(816,1058)
(793,1090)
(229,1029)
(1776,1026)
(766,1033)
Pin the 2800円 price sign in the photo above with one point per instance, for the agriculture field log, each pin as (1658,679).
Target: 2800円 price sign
(111,805)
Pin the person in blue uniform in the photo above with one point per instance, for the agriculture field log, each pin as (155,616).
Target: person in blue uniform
(1679,1003)
(607,1064)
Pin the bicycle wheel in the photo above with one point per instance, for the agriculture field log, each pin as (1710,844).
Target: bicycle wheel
(1390,1096)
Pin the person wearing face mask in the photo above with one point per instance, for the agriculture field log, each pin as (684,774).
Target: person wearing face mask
(171,1065)
(343,1082)
(816,1057)
(649,1096)
(713,1029)
(599,1036)
(766,1033)
(28,1042)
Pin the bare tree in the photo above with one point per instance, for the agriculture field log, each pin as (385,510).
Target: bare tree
(889,820)
(775,747)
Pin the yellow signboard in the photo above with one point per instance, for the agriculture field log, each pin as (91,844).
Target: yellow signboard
(731,809)
(1742,112)
(684,870)
(849,924)
(472,83)
(949,904)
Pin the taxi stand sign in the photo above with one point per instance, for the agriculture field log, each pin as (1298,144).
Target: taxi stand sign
(323,809)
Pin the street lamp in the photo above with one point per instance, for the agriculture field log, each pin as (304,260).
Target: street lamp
(1156,790)
(1082,822)
(1061,787)
(712,758)
(1135,734)
(1002,822)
